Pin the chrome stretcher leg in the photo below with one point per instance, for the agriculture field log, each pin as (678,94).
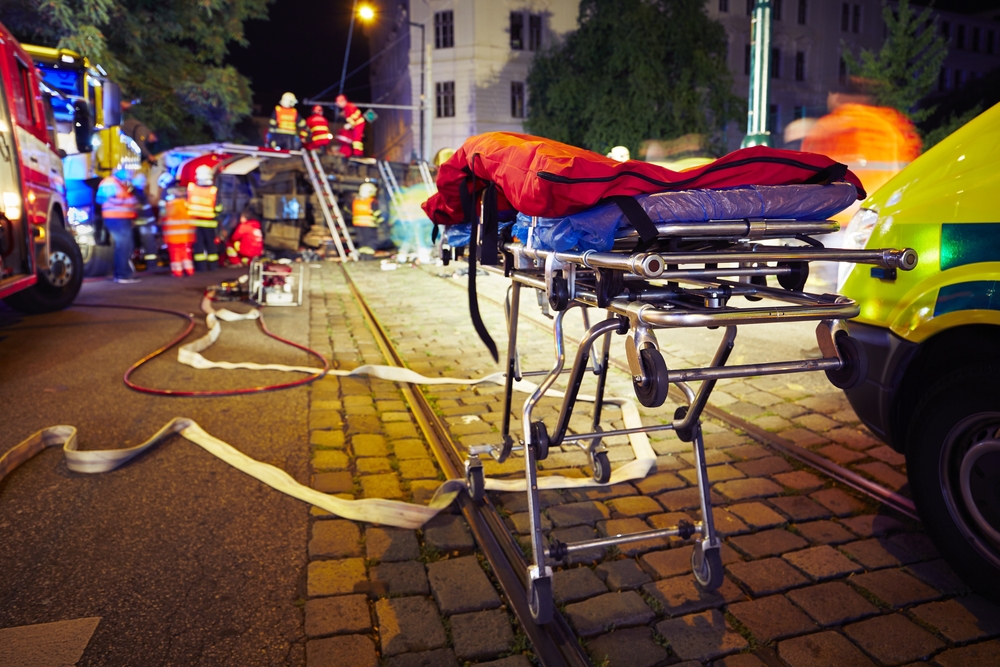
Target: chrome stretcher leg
(600,464)
(513,370)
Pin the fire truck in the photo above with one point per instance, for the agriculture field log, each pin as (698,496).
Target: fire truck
(41,267)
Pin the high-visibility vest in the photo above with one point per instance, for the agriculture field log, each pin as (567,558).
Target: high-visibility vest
(201,204)
(319,130)
(287,119)
(117,202)
(177,227)
(363,213)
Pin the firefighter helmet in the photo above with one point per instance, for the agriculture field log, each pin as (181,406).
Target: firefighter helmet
(318,110)
(203,175)
(367,190)
(288,100)
(620,154)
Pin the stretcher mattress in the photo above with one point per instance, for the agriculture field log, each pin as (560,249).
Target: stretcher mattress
(597,227)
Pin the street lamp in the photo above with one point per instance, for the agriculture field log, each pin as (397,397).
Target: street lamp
(760,70)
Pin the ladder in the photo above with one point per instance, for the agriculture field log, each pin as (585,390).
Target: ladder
(328,204)
(425,174)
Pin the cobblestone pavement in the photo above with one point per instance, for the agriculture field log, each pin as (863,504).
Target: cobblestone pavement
(816,574)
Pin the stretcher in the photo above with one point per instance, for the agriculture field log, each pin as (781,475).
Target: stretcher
(706,273)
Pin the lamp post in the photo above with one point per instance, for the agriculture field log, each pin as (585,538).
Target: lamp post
(760,71)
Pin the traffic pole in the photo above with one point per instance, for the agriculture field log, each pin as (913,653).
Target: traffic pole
(760,73)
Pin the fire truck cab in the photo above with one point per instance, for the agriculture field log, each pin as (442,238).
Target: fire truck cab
(41,268)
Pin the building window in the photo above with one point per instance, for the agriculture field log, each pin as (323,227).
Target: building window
(517,31)
(975,40)
(534,32)
(750,4)
(517,99)
(943,79)
(959,79)
(802,12)
(776,10)
(445,99)
(775,63)
(843,70)
(960,37)
(772,118)
(845,17)
(724,6)
(946,31)
(800,66)
(444,30)
(990,38)
(856,19)
(746,60)
(800,112)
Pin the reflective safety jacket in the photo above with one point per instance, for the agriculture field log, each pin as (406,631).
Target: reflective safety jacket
(201,205)
(176,224)
(285,120)
(351,135)
(365,212)
(116,200)
(319,130)
(246,242)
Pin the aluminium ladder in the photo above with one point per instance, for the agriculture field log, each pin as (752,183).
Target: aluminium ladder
(328,204)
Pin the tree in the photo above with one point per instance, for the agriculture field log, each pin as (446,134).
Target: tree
(907,66)
(168,53)
(634,70)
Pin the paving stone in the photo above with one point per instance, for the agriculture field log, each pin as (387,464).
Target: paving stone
(852,438)
(423,490)
(409,449)
(766,576)
(330,439)
(369,444)
(575,514)
(406,577)
(658,483)
(637,506)
(391,544)
(872,525)
(669,520)
(726,523)
(512,661)
(938,574)
(823,562)
(442,657)
(620,575)
(757,515)
(598,493)
(629,647)
(745,410)
(335,539)
(371,466)
(579,534)
(739,660)
(713,457)
(748,452)
(824,532)
(324,419)
(681,595)
(894,587)
(887,454)
(768,543)
(815,422)
(837,502)
(827,403)
(342,615)
(408,624)
(893,639)
(884,474)
(335,577)
(688,498)
(744,489)
(344,651)
(839,454)
(417,469)
(985,653)
(460,585)
(723,439)
(803,437)
(768,465)
(627,527)
(719,473)
(961,620)
(772,423)
(667,563)
(576,584)
(333,482)
(611,610)
(381,486)
(800,508)
(823,649)
(875,553)
(522,523)
(362,424)
(832,603)
(916,544)
(701,636)
(329,459)
(404,430)
(771,618)
(481,635)
(799,480)
(448,532)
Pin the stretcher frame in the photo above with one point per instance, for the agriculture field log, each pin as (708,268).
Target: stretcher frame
(697,293)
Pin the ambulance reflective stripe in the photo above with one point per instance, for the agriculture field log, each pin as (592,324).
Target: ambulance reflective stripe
(201,204)
(286,120)
(116,201)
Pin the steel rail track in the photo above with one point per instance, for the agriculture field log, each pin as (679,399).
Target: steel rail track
(838,473)
(554,644)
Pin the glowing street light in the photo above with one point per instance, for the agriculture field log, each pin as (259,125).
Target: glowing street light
(366,12)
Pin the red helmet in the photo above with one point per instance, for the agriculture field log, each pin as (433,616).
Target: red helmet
(318,110)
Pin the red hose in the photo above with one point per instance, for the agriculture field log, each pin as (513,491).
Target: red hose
(190,327)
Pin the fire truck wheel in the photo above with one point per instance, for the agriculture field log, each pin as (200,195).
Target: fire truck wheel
(59,282)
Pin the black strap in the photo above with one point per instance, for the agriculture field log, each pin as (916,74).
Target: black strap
(835,172)
(489,242)
(468,197)
(637,216)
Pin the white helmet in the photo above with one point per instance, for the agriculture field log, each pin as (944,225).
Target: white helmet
(203,175)
(288,100)
(620,154)
(367,190)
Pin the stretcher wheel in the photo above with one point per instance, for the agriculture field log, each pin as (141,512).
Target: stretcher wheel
(653,390)
(540,441)
(855,368)
(559,294)
(602,467)
(707,567)
(540,600)
(759,281)
(796,280)
(475,481)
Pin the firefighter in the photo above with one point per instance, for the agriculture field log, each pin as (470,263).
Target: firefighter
(178,232)
(246,241)
(319,129)
(367,217)
(287,129)
(352,134)
(203,210)
(145,221)
(118,209)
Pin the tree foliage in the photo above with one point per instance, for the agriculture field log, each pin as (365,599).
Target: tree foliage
(907,66)
(634,70)
(168,53)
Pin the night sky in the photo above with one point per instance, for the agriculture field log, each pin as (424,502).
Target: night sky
(301,49)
